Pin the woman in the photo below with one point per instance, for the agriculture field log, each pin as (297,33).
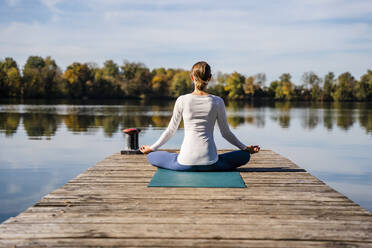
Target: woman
(198,152)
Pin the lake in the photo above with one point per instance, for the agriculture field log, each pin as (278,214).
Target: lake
(45,144)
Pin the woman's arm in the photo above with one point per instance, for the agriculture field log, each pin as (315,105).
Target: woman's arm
(224,126)
(172,127)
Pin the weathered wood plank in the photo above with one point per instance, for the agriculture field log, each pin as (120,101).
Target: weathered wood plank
(111,205)
(306,231)
(161,242)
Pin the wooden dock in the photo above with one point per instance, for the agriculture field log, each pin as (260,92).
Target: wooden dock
(111,205)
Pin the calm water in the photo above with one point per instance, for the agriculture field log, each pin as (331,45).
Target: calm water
(43,145)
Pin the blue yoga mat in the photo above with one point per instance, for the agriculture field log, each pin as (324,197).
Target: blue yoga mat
(170,178)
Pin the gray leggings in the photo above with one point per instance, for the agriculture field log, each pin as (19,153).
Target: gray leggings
(226,161)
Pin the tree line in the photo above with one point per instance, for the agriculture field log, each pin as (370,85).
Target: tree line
(42,78)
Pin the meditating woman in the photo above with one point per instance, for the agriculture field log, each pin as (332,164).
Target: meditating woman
(198,152)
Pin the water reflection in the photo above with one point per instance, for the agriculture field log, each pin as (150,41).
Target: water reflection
(328,117)
(9,123)
(296,130)
(365,117)
(21,188)
(310,118)
(39,124)
(281,113)
(44,120)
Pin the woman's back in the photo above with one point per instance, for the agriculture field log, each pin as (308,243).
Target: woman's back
(199,117)
(199,113)
(198,151)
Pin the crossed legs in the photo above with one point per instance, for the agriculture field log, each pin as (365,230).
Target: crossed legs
(226,161)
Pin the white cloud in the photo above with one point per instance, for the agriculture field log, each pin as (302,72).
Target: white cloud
(288,37)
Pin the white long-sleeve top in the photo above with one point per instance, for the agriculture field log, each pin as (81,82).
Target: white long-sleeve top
(199,114)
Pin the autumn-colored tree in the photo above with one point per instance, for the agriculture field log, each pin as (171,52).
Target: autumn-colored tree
(249,87)
(77,76)
(235,86)
(78,123)
(160,82)
(285,89)
(42,78)
(253,85)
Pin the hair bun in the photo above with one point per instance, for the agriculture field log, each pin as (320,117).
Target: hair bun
(201,72)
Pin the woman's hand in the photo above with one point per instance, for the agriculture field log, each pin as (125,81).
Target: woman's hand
(253,149)
(145,149)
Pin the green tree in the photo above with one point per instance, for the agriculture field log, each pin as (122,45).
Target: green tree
(259,84)
(4,91)
(10,78)
(300,92)
(328,86)
(217,85)
(33,83)
(181,84)
(363,88)
(344,87)
(13,82)
(272,88)
(43,78)
(235,86)
(54,85)
(100,86)
(312,83)
(110,69)
(136,79)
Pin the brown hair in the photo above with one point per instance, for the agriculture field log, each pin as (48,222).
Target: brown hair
(201,72)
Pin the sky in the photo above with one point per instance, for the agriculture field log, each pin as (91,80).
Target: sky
(271,36)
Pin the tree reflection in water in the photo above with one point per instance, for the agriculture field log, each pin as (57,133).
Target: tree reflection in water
(9,123)
(44,122)
(281,112)
(40,124)
(365,117)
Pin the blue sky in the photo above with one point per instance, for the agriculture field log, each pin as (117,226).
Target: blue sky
(268,36)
